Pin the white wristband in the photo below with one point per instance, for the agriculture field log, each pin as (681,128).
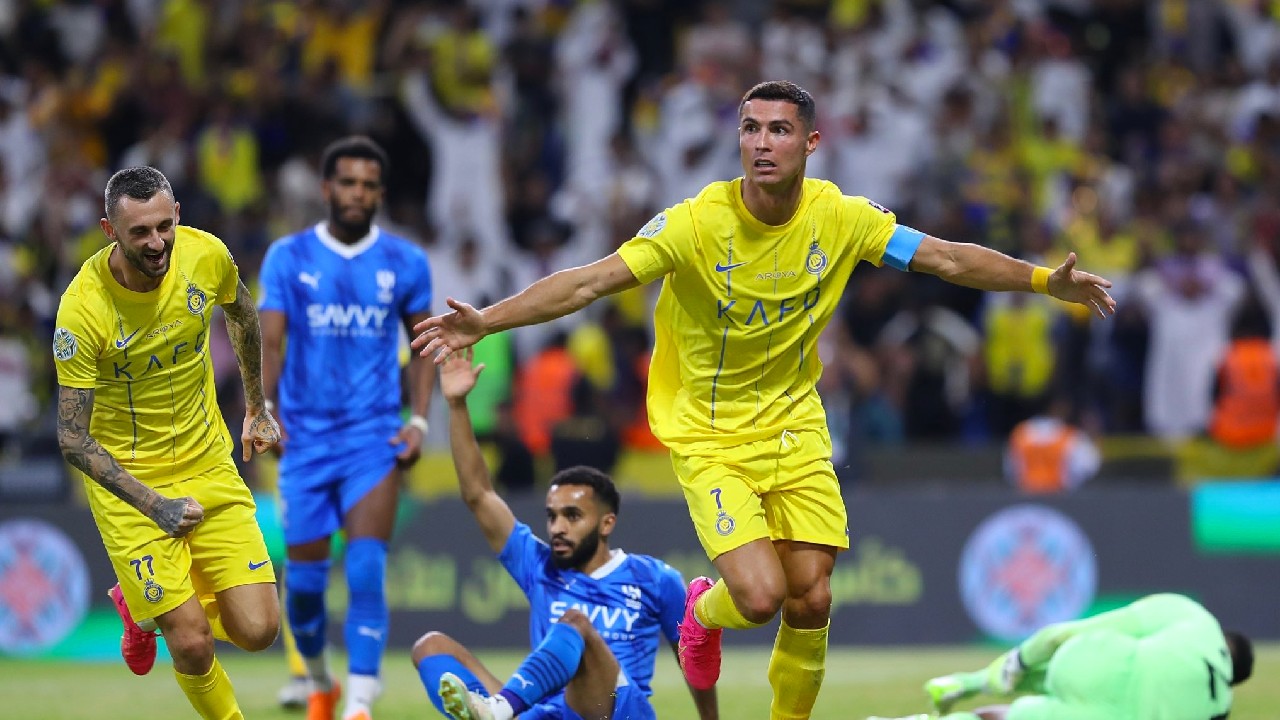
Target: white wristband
(270,406)
(419,422)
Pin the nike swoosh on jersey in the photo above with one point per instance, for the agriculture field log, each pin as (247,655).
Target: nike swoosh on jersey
(121,343)
(254,566)
(727,268)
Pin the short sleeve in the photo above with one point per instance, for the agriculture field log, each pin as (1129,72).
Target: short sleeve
(663,244)
(523,556)
(418,294)
(271,287)
(76,344)
(877,236)
(228,272)
(672,592)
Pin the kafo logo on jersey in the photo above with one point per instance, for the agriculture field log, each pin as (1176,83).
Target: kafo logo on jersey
(44,586)
(347,320)
(1025,567)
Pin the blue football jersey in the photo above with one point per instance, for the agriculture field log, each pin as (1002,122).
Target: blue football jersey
(632,600)
(345,306)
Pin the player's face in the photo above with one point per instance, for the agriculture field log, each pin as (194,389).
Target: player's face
(773,141)
(354,194)
(144,231)
(575,525)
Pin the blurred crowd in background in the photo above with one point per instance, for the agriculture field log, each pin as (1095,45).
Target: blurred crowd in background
(528,136)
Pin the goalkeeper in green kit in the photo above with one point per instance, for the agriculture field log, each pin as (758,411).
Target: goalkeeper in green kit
(1164,657)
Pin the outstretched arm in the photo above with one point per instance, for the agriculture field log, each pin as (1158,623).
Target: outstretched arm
(176,516)
(553,296)
(704,700)
(496,520)
(260,431)
(982,268)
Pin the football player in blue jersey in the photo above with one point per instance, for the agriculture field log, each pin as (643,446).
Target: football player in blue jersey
(341,291)
(597,615)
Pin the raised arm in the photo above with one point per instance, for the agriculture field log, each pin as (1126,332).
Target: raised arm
(982,268)
(704,700)
(175,516)
(553,296)
(260,430)
(457,378)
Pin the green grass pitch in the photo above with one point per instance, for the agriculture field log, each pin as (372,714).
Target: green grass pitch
(860,681)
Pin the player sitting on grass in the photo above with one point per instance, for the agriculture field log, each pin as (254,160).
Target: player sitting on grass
(1163,656)
(585,664)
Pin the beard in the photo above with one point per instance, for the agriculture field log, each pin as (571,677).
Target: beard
(139,261)
(580,553)
(351,228)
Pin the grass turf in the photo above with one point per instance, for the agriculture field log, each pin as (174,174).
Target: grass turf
(859,682)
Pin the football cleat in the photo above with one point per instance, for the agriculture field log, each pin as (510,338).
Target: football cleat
(699,648)
(137,646)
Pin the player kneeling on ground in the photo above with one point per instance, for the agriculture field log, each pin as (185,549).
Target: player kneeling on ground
(575,670)
(1163,656)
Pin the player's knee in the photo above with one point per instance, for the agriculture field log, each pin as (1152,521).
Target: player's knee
(191,646)
(259,633)
(758,603)
(433,643)
(366,566)
(814,603)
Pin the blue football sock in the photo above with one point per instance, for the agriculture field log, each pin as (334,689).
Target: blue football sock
(547,669)
(367,615)
(304,602)
(432,667)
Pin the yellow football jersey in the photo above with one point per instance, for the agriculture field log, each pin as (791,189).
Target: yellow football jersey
(742,304)
(146,355)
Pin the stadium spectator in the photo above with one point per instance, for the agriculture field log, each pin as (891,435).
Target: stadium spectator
(1047,455)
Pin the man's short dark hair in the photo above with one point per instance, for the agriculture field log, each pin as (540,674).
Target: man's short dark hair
(138,183)
(601,483)
(1241,656)
(354,146)
(789,92)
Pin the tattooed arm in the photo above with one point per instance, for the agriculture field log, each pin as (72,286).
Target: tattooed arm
(177,517)
(261,431)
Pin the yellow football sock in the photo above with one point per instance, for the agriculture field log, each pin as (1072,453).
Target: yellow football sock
(715,609)
(211,694)
(296,667)
(214,614)
(796,669)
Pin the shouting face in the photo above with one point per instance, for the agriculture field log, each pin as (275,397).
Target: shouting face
(143,231)
(773,142)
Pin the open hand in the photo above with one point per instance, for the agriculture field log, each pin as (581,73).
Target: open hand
(458,376)
(1077,286)
(441,335)
(260,432)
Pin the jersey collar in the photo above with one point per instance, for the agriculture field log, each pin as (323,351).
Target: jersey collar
(347,251)
(616,556)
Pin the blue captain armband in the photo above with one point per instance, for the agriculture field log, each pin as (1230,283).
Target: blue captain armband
(902,247)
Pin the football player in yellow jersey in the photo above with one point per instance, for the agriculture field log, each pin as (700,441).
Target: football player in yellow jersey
(752,271)
(138,416)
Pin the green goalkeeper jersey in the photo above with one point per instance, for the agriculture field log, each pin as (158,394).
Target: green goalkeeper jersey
(1163,657)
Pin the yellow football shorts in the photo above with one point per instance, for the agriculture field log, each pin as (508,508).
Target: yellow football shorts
(158,573)
(781,488)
